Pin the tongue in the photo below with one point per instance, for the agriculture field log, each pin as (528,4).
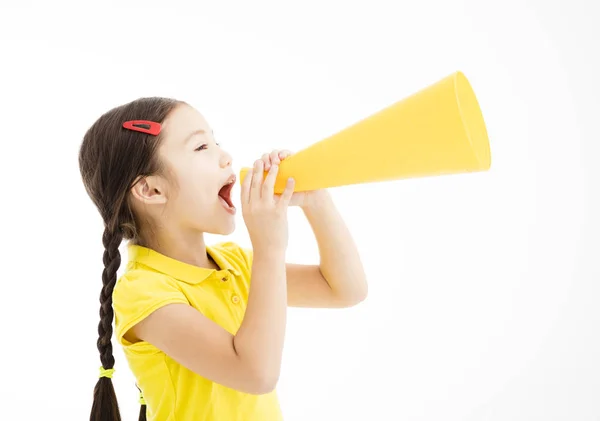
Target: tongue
(224,195)
(225,202)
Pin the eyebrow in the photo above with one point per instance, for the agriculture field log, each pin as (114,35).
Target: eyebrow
(194,133)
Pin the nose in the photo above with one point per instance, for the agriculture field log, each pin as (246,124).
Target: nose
(225,160)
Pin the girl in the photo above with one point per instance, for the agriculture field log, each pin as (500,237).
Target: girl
(202,326)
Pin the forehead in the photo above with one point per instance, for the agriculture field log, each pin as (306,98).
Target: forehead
(183,121)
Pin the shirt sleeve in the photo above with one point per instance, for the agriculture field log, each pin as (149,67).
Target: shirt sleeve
(135,297)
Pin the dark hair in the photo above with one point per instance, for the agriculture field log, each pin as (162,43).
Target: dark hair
(111,159)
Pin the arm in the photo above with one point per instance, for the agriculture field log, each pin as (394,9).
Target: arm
(339,280)
(249,361)
(259,340)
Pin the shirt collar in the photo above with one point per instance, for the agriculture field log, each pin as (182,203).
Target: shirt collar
(179,270)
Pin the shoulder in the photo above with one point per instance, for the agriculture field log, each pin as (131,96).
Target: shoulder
(142,275)
(140,292)
(137,283)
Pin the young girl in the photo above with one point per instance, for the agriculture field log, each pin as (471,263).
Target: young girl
(202,326)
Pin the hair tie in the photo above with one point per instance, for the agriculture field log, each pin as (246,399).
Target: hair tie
(142,400)
(106,373)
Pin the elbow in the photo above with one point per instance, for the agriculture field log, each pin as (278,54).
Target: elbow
(264,384)
(362,296)
(258,375)
(363,292)
(262,379)
(356,297)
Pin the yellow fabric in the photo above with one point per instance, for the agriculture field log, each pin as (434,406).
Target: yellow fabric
(171,391)
(438,130)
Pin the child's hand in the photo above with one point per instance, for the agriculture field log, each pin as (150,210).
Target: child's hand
(265,215)
(302,199)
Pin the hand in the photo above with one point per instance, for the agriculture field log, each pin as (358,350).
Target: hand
(265,216)
(301,199)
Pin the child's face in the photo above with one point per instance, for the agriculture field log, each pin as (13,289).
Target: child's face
(199,168)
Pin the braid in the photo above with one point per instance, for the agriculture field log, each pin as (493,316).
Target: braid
(142,416)
(142,413)
(111,160)
(112,261)
(105,406)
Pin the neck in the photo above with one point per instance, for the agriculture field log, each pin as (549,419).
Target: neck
(185,247)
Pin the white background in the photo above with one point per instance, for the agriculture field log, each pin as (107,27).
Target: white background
(483,287)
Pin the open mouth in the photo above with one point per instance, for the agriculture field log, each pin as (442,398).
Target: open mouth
(225,192)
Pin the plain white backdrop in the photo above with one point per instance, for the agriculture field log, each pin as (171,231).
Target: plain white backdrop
(483,287)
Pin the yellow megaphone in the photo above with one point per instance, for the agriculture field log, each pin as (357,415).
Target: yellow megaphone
(438,130)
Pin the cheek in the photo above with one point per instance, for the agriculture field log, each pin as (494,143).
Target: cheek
(195,188)
(194,192)
(197,181)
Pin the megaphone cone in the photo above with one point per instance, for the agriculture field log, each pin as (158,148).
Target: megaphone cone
(436,131)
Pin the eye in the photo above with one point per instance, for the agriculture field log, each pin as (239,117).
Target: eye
(201,147)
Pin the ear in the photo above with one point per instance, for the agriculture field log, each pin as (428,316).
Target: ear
(150,190)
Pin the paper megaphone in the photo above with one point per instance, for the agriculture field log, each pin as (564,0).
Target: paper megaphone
(436,131)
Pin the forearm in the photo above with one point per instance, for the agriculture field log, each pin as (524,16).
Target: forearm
(340,261)
(259,340)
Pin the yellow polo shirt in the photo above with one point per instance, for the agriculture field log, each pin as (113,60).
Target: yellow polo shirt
(171,391)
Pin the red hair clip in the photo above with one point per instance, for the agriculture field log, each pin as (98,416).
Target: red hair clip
(143,126)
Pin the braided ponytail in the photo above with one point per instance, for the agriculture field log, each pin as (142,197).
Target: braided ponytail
(105,406)
(111,159)
(142,407)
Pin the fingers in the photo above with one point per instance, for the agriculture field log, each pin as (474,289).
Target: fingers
(254,189)
(269,184)
(274,158)
(271,159)
(266,158)
(284,154)
(287,194)
(245,193)
(257,180)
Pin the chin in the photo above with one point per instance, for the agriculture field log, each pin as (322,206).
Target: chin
(229,230)
(224,229)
